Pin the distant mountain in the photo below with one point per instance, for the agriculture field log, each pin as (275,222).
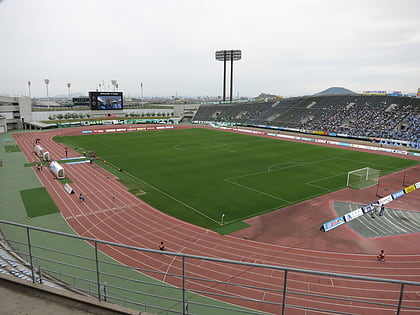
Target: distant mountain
(336,91)
(265,95)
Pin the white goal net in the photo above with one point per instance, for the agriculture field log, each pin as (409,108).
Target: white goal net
(362,178)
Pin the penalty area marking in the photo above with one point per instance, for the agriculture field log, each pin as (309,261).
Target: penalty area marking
(256,190)
(270,168)
(321,179)
(290,165)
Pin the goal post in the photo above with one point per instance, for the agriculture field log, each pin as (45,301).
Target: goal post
(362,178)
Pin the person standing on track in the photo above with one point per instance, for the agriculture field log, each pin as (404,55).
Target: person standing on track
(381,256)
(381,212)
(81,197)
(162,246)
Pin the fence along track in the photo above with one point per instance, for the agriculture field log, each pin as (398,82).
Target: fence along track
(331,292)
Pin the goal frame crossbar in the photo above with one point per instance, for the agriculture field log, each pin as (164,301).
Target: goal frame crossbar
(366,176)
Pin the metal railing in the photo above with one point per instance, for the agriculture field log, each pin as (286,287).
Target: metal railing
(77,263)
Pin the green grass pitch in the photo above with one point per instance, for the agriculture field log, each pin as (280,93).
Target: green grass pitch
(199,175)
(38,202)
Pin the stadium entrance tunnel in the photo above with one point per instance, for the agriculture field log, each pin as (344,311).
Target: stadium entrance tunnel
(392,222)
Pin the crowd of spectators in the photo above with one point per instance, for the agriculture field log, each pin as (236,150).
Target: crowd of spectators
(239,113)
(389,117)
(370,119)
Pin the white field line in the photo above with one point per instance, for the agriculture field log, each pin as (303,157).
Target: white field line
(171,197)
(283,168)
(256,190)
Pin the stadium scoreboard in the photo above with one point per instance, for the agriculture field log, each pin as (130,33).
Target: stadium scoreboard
(105,100)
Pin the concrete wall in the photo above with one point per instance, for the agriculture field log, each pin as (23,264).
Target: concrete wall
(24,297)
(25,108)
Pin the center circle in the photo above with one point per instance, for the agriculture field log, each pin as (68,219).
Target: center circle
(202,147)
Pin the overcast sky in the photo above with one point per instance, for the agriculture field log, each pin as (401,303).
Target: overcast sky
(289,47)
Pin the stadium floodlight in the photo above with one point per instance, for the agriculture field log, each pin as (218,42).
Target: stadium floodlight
(114,84)
(47,81)
(228,55)
(68,87)
(141,90)
(29,87)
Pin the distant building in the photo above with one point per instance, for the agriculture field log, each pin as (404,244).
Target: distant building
(14,112)
(81,101)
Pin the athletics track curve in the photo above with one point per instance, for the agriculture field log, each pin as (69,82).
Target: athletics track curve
(288,237)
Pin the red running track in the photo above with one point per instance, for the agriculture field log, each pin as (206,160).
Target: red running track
(113,214)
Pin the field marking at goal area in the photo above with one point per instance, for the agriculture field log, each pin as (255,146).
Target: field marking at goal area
(317,180)
(230,180)
(269,170)
(375,165)
(290,165)
(287,201)
(256,190)
(298,164)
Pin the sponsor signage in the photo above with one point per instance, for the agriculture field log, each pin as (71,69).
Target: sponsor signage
(374,93)
(368,208)
(333,224)
(409,189)
(398,194)
(353,215)
(385,200)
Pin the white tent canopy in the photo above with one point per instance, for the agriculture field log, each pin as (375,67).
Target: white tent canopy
(39,150)
(57,170)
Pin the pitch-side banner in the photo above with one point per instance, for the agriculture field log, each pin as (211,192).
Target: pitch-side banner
(398,194)
(410,189)
(368,208)
(385,200)
(333,224)
(353,215)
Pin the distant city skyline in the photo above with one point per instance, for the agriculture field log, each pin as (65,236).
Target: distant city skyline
(289,47)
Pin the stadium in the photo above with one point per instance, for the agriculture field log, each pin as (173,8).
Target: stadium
(264,207)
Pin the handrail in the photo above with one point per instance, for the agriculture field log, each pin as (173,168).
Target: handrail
(283,291)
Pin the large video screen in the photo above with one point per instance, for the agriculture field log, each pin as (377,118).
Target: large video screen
(106,100)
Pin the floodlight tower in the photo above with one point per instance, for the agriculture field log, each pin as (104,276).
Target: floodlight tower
(141,88)
(47,81)
(29,87)
(228,55)
(114,84)
(68,87)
